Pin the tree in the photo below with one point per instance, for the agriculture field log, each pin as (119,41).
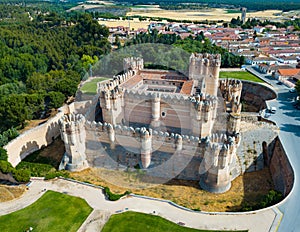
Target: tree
(3,154)
(55,99)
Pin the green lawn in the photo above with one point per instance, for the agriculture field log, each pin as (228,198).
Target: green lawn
(91,86)
(136,222)
(52,212)
(242,75)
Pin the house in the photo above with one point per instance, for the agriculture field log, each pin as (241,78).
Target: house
(288,59)
(285,74)
(263,60)
(272,69)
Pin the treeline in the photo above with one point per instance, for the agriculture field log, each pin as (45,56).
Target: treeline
(254,5)
(250,23)
(43,57)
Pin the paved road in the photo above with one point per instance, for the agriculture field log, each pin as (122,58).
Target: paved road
(287,119)
(255,222)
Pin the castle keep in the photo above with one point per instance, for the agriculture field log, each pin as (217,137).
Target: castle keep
(167,123)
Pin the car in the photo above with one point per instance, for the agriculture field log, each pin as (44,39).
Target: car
(292,90)
(279,83)
(273,110)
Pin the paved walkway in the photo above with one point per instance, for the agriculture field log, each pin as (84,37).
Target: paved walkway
(263,221)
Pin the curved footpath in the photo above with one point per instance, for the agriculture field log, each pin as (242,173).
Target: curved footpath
(265,220)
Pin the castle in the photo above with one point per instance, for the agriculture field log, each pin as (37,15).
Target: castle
(167,123)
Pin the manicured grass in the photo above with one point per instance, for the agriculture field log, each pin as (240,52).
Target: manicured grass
(91,86)
(52,212)
(242,75)
(136,222)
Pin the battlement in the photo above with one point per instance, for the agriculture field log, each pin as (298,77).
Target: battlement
(71,122)
(167,97)
(213,60)
(142,132)
(133,63)
(204,101)
(232,85)
(116,81)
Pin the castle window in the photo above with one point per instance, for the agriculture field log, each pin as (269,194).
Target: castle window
(163,114)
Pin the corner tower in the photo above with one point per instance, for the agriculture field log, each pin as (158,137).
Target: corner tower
(205,69)
(72,128)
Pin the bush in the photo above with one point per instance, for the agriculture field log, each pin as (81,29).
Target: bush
(272,198)
(52,175)
(3,154)
(18,175)
(114,197)
(35,169)
(21,175)
(5,167)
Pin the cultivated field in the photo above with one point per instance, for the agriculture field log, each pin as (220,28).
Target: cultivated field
(133,24)
(200,15)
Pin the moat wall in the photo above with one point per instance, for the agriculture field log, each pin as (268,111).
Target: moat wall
(40,136)
(281,169)
(255,95)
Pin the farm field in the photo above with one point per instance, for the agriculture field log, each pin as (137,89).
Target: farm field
(205,14)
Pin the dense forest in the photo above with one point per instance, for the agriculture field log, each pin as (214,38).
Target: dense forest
(43,57)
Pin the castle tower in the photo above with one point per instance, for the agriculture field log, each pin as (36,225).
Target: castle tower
(133,63)
(203,114)
(111,103)
(146,147)
(205,69)
(219,155)
(155,122)
(73,134)
(233,124)
(244,11)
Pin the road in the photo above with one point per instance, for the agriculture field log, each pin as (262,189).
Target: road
(287,119)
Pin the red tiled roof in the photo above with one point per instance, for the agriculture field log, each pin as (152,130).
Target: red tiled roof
(288,72)
(187,87)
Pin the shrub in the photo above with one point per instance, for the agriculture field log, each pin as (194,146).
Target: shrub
(21,175)
(52,175)
(3,154)
(114,197)
(35,169)
(18,175)
(5,167)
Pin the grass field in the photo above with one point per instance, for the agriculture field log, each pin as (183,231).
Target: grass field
(136,222)
(241,75)
(52,212)
(91,86)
